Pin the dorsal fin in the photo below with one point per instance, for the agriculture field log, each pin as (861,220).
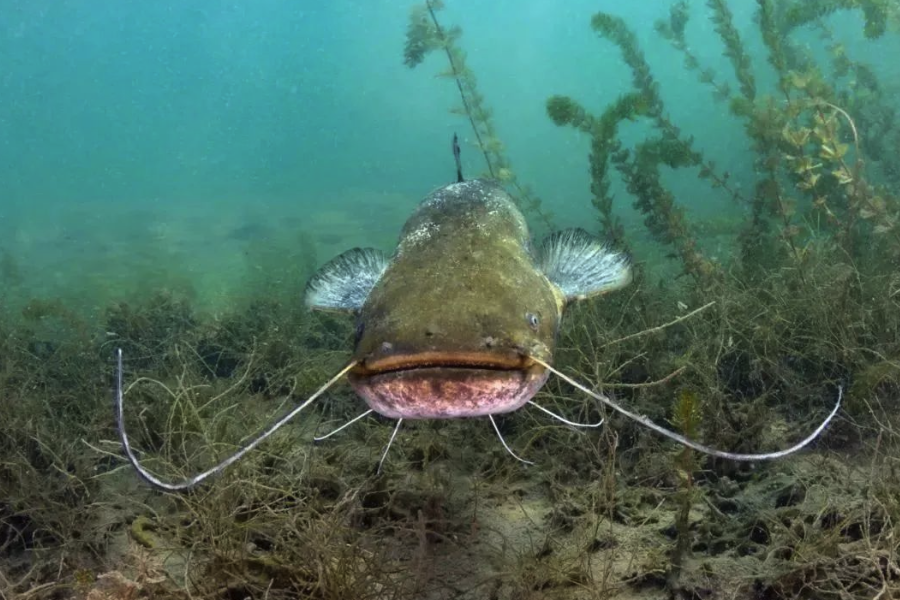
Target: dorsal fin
(456,153)
(344,282)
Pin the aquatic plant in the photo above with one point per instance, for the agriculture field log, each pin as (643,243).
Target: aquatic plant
(604,143)
(640,168)
(863,97)
(686,418)
(875,13)
(425,34)
(773,227)
(673,31)
(297,520)
(270,529)
(734,47)
(814,205)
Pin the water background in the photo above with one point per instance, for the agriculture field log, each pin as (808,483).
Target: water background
(211,146)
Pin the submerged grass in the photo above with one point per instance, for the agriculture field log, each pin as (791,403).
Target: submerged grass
(453,516)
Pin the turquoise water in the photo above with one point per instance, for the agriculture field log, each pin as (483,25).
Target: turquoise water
(197,144)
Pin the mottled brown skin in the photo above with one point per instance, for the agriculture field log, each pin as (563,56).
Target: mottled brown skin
(448,329)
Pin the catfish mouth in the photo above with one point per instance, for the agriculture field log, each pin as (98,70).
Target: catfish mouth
(440,385)
(499,361)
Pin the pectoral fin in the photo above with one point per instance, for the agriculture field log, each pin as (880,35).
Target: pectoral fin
(581,266)
(344,282)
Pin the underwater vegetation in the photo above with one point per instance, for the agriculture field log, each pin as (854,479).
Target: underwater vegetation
(740,351)
(425,34)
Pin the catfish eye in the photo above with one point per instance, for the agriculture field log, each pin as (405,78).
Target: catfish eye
(360,328)
(533,320)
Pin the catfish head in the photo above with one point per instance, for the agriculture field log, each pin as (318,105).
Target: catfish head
(459,322)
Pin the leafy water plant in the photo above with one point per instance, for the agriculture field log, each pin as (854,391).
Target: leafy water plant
(426,34)
(604,143)
(686,418)
(672,29)
(814,204)
(640,168)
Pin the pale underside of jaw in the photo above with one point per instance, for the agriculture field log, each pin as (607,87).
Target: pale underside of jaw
(448,392)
